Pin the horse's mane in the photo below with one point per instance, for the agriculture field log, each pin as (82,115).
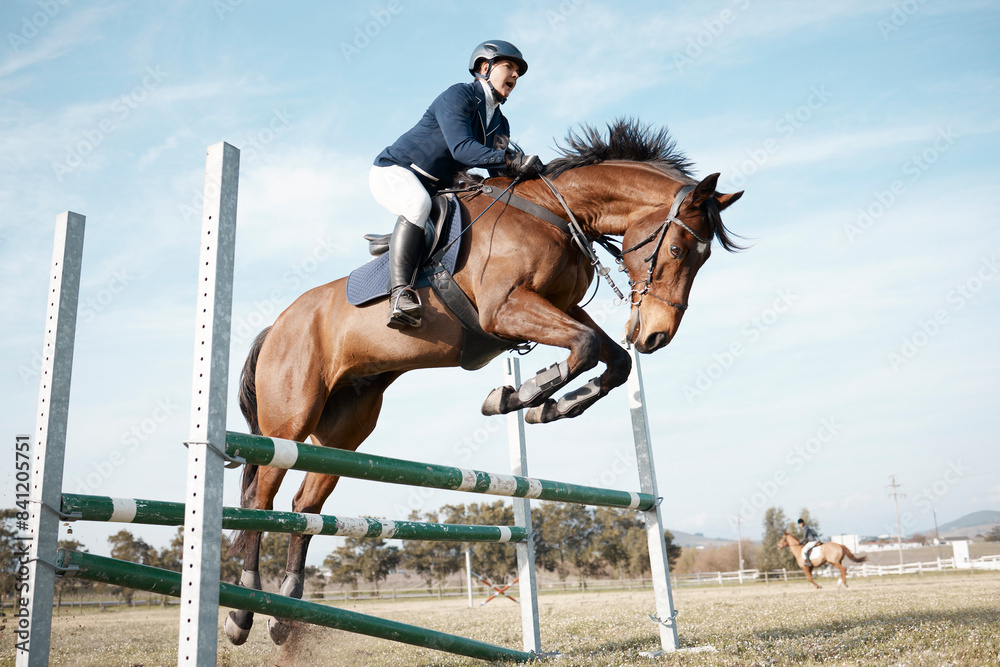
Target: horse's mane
(631,141)
(627,139)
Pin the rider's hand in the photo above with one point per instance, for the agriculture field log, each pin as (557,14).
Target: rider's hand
(524,165)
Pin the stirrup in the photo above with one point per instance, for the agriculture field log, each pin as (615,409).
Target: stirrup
(405,319)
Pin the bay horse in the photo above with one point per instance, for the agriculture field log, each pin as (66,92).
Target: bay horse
(321,369)
(827,552)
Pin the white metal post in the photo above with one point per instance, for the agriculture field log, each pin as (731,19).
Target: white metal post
(659,565)
(530,630)
(46,480)
(468,573)
(197,642)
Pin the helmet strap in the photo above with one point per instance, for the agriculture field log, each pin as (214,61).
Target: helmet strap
(500,99)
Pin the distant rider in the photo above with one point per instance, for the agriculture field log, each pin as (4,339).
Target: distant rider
(809,539)
(462,128)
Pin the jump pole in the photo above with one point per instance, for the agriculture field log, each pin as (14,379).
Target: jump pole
(165,582)
(530,630)
(199,615)
(77,507)
(34,636)
(666,615)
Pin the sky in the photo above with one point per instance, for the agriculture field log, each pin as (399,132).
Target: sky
(853,344)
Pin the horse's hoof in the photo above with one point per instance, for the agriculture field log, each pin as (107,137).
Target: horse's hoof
(279,629)
(543,414)
(497,402)
(234,632)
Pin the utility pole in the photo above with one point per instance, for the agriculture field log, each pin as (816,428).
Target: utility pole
(899,533)
(937,536)
(739,546)
(739,540)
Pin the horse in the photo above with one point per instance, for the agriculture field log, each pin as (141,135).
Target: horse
(827,552)
(321,369)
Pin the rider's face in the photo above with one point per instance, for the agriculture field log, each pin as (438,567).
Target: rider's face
(504,76)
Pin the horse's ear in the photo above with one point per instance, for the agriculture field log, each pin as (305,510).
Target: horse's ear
(704,190)
(726,200)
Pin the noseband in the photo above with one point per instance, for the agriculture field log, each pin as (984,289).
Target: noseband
(636,293)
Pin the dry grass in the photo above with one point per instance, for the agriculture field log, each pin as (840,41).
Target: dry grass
(936,620)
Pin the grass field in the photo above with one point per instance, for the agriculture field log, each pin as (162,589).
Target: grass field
(949,619)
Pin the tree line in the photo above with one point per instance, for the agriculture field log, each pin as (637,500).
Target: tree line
(569,540)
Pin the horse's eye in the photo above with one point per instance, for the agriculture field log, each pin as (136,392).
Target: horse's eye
(676,252)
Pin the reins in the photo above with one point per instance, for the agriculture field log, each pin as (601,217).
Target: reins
(583,243)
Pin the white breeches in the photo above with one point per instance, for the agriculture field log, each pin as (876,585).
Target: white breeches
(401,193)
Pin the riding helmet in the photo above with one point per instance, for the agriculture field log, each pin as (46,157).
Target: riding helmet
(497,48)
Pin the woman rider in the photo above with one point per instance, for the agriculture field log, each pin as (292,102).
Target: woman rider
(462,128)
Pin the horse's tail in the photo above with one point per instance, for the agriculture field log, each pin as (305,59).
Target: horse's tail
(856,559)
(248,406)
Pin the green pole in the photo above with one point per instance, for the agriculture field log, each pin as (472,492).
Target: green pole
(159,513)
(165,582)
(274,452)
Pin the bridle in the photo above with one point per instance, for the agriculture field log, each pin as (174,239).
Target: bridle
(636,293)
(572,227)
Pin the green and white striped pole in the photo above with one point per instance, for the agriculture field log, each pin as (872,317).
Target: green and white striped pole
(165,582)
(159,513)
(279,453)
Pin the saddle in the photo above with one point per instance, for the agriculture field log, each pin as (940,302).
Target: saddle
(370,282)
(378,244)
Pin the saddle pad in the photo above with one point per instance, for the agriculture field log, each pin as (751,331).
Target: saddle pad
(371,281)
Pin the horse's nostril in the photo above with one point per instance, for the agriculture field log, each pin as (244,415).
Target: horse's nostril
(656,341)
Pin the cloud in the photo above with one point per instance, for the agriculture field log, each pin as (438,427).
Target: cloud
(39,40)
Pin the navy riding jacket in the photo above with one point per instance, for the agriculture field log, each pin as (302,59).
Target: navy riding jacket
(809,535)
(451,136)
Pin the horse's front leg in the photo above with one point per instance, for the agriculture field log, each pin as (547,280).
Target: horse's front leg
(526,315)
(617,363)
(809,576)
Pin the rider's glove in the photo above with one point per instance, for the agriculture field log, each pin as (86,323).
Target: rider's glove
(524,165)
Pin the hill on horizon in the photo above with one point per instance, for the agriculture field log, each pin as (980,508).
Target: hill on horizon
(689,540)
(970,525)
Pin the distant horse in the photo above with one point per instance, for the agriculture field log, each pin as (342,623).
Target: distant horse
(321,369)
(827,552)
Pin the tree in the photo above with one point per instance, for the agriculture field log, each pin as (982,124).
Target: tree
(432,560)
(125,546)
(494,561)
(769,556)
(567,529)
(994,535)
(673,550)
(368,558)
(9,549)
(611,529)
(273,556)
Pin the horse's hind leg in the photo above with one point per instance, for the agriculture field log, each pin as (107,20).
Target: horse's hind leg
(843,574)
(349,417)
(260,495)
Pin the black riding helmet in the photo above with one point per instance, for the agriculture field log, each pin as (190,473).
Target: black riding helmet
(497,48)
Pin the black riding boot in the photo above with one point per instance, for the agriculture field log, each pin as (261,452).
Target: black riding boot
(405,250)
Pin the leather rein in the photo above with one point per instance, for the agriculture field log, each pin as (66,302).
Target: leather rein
(583,243)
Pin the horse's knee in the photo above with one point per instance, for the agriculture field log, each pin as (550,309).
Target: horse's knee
(587,350)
